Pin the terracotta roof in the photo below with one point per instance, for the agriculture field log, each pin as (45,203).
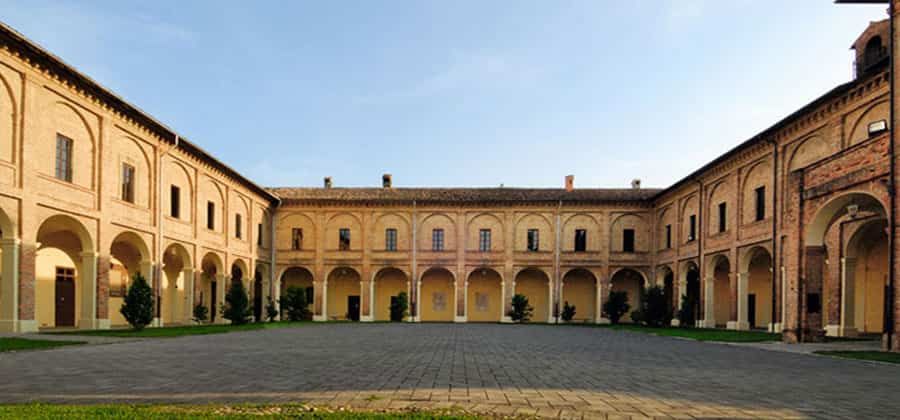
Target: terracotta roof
(462,195)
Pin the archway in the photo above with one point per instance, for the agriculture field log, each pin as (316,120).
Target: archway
(534,284)
(579,288)
(631,282)
(484,296)
(302,278)
(718,293)
(343,291)
(257,295)
(756,310)
(665,278)
(172,300)
(866,278)
(129,256)
(437,296)
(389,283)
(689,292)
(65,274)
(210,287)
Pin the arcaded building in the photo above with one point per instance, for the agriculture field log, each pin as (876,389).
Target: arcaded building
(790,231)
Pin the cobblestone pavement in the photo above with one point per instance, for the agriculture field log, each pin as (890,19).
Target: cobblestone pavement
(555,371)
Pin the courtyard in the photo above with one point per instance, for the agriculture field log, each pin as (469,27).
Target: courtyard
(556,371)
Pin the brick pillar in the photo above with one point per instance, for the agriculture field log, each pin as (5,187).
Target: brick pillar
(188,301)
(320,288)
(741,309)
(27,280)
(88,278)
(462,289)
(103,291)
(811,295)
(709,302)
(222,283)
(9,285)
(603,288)
(735,297)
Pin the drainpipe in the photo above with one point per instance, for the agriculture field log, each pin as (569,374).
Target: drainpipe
(558,281)
(889,325)
(272,269)
(414,281)
(157,271)
(775,214)
(801,257)
(701,269)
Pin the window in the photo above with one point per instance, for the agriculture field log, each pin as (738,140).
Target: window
(437,240)
(238,232)
(668,236)
(692,228)
(210,215)
(484,240)
(63,158)
(175,202)
(296,239)
(390,239)
(628,240)
(534,242)
(760,203)
(127,183)
(723,217)
(344,239)
(259,234)
(580,240)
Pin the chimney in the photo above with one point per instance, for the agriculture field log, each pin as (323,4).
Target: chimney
(327,182)
(636,184)
(386,181)
(570,182)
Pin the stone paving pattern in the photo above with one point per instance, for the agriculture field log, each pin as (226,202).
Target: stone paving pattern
(553,371)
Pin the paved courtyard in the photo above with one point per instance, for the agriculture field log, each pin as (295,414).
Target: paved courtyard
(501,369)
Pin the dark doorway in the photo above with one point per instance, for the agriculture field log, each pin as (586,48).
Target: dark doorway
(65,297)
(669,290)
(751,310)
(257,297)
(693,293)
(353,308)
(212,301)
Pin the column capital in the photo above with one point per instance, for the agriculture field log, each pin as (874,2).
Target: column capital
(5,242)
(89,254)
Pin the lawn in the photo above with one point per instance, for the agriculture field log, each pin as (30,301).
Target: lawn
(186,330)
(701,334)
(292,411)
(878,356)
(18,344)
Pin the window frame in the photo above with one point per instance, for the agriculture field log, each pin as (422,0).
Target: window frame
(669,236)
(65,147)
(390,239)
(127,183)
(484,240)
(175,201)
(296,239)
(211,215)
(580,244)
(759,202)
(437,240)
(344,239)
(533,240)
(628,241)
(238,226)
(723,217)
(692,228)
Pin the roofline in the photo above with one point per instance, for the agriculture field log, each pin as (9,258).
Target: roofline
(32,50)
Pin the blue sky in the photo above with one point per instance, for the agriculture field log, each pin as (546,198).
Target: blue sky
(458,93)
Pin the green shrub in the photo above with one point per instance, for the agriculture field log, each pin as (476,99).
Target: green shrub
(616,305)
(201,313)
(655,310)
(686,313)
(237,304)
(294,304)
(521,311)
(637,317)
(271,310)
(568,311)
(399,307)
(138,303)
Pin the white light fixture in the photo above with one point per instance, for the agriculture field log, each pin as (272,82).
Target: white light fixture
(853,210)
(877,127)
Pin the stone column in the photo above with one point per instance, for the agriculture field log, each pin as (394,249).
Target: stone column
(88,278)
(709,304)
(321,300)
(367,299)
(221,285)
(417,317)
(847,327)
(550,317)
(743,314)
(462,299)
(9,285)
(681,291)
(188,313)
(601,299)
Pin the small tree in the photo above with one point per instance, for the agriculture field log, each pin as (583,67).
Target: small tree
(521,311)
(201,313)
(655,309)
(138,306)
(271,310)
(568,311)
(686,313)
(616,305)
(399,307)
(237,304)
(294,304)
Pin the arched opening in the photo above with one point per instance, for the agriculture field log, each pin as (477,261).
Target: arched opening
(579,288)
(484,296)
(176,261)
(302,278)
(7,305)
(874,50)
(719,292)
(866,278)
(534,284)
(389,283)
(666,279)
(437,296)
(64,262)
(129,256)
(343,292)
(758,300)
(208,289)
(632,283)
(690,295)
(257,294)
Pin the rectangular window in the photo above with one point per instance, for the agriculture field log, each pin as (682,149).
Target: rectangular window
(484,240)
(437,240)
(210,215)
(296,239)
(580,240)
(723,217)
(760,203)
(259,234)
(628,240)
(668,236)
(63,158)
(175,202)
(127,183)
(238,224)
(534,240)
(692,228)
(390,239)
(344,239)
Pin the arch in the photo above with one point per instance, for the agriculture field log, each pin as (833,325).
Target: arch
(300,277)
(666,221)
(144,180)
(485,221)
(178,175)
(133,240)
(718,291)
(209,289)
(808,151)
(8,115)
(176,259)
(437,221)
(211,191)
(61,294)
(689,289)
(128,256)
(388,283)
(718,195)
(436,300)
(342,220)
(293,220)
(759,174)
(484,296)
(866,278)
(343,291)
(690,207)
(534,284)
(580,221)
(632,282)
(546,240)
(7,227)
(579,288)
(836,208)
(875,112)
(633,221)
(212,263)
(68,224)
(757,307)
(386,221)
(239,270)
(665,278)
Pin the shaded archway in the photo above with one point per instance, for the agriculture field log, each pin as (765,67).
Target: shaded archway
(343,294)
(65,274)
(437,297)
(755,298)
(631,282)
(129,255)
(172,295)
(718,293)
(689,291)
(257,295)
(484,296)
(210,287)
(302,278)
(865,279)
(665,278)
(579,288)
(389,283)
(534,284)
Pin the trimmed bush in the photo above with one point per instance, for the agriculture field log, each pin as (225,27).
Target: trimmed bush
(521,311)
(686,313)
(138,303)
(399,307)
(294,304)
(615,306)
(237,304)
(656,310)
(271,310)
(201,313)
(568,311)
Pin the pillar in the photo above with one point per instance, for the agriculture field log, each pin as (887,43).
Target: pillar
(88,279)
(188,313)
(709,304)
(321,300)
(417,317)
(601,298)
(550,318)
(743,296)
(681,292)
(27,285)
(847,326)
(102,291)
(221,285)
(9,285)
(367,298)
(462,298)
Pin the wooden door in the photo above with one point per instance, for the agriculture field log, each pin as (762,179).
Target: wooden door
(65,297)
(353,308)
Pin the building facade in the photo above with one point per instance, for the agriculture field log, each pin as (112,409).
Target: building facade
(790,231)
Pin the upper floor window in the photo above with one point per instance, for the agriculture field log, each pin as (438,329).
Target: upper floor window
(628,240)
(692,228)
(175,201)
(580,240)
(238,224)
(760,203)
(390,239)
(259,234)
(63,158)
(668,236)
(210,215)
(534,240)
(344,239)
(127,183)
(437,240)
(484,240)
(296,239)
(723,217)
